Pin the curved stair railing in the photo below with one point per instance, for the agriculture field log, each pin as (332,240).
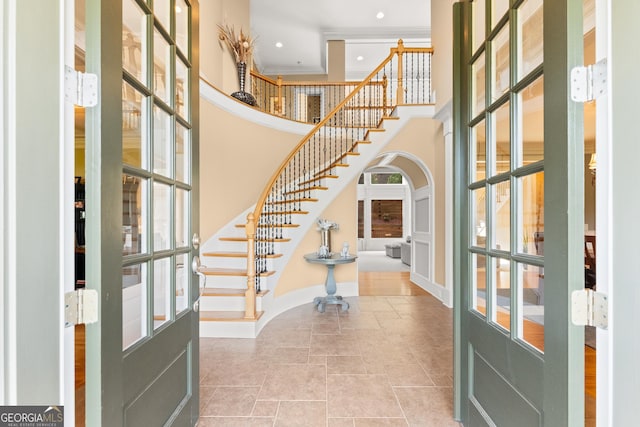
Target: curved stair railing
(403,78)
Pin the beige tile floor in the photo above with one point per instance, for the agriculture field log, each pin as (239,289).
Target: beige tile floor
(385,362)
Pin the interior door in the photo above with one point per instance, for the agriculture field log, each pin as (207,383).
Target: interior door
(142,210)
(519,195)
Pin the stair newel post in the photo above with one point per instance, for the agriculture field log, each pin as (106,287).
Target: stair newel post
(400,92)
(250,293)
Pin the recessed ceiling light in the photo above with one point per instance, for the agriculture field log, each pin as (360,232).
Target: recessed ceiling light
(360,58)
(278,44)
(380,15)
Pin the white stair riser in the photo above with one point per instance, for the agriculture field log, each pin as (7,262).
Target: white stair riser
(227,329)
(230,282)
(224,303)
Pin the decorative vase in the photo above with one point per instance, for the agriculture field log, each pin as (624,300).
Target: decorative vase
(325,239)
(241,95)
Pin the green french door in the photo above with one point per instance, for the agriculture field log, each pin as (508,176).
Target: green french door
(142,212)
(520,213)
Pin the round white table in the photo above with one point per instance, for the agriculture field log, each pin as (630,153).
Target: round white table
(330,282)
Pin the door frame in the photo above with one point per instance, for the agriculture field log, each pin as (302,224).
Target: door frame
(617,213)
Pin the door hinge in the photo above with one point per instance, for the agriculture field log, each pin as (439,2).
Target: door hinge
(589,82)
(589,308)
(80,307)
(80,89)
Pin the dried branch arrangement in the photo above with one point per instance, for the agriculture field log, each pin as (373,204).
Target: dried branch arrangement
(241,45)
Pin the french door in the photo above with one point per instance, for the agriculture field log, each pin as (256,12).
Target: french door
(142,211)
(519,215)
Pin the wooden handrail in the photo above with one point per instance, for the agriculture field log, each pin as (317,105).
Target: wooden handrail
(263,196)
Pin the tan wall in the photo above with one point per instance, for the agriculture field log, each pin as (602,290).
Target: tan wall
(420,137)
(237,158)
(217,64)
(442,42)
(300,274)
(336,60)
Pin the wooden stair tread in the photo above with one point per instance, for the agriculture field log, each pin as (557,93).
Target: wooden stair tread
(273,225)
(229,254)
(227,316)
(318,178)
(304,199)
(229,292)
(287,212)
(302,190)
(216,271)
(244,239)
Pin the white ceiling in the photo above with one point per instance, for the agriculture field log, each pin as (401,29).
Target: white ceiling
(304,26)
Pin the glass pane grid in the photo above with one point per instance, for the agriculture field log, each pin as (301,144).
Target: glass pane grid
(506,206)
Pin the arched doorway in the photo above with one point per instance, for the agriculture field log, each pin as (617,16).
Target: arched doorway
(396,216)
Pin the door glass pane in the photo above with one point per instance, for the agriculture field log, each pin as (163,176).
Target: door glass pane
(182,282)
(479,13)
(479,232)
(498,9)
(530,42)
(161,13)
(532,116)
(479,279)
(531,305)
(531,211)
(183,154)
(161,291)
(182,88)
(502,139)
(500,63)
(134,215)
(161,142)
(502,215)
(479,154)
(161,217)
(182,25)
(161,78)
(502,293)
(134,43)
(134,135)
(182,221)
(134,304)
(478,72)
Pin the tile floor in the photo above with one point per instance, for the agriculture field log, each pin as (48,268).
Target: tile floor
(385,362)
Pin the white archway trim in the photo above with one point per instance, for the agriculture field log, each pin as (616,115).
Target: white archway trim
(422,227)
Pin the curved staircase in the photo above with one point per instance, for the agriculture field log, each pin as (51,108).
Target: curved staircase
(243,261)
